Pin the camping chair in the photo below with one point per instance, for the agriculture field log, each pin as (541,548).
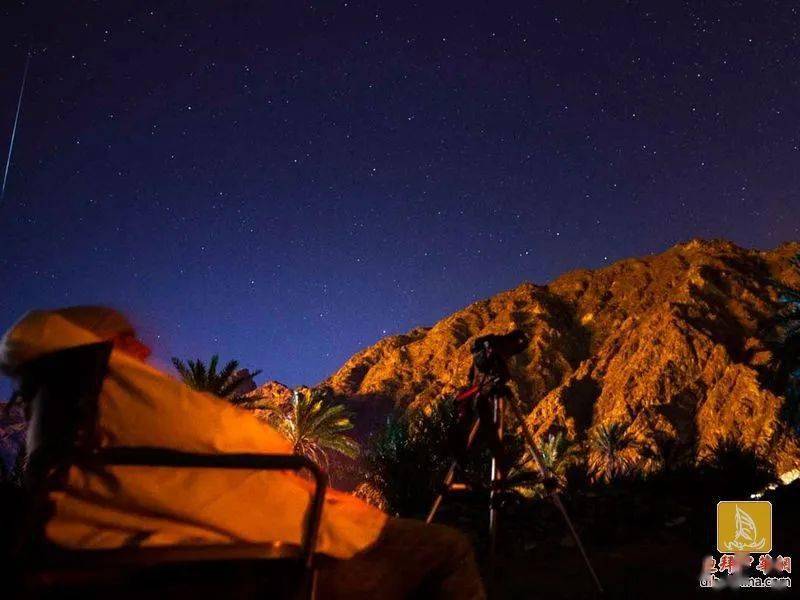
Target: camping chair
(61,392)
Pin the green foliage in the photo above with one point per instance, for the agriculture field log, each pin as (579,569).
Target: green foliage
(315,424)
(223,383)
(612,452)
(407,459)
(558,452)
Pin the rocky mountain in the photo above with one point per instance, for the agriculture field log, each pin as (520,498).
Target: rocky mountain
(672,346)
(264,399)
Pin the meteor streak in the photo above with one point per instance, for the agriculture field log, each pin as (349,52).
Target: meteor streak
(14,130)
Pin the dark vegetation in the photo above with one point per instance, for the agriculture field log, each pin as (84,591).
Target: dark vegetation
(225,382)
(406,460)
(12,506)
(639,510)
(785,347)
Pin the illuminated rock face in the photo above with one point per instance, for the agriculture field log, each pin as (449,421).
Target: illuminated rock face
(268,397)
(670,345)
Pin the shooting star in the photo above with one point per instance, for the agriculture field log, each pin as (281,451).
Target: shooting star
(14,130)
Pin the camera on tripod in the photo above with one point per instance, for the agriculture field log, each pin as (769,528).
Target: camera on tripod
(491,353)
(484,402)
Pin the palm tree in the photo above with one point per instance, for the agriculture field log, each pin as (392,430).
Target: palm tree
(611,452)
(733,469)
(665,455)
(315,424)
(224,383)
(558,454)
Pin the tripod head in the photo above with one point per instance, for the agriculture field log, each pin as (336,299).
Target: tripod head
(491,353)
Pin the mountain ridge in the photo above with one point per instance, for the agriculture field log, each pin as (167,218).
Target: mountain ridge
(671,345)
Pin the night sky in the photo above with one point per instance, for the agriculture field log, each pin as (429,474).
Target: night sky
(287,185)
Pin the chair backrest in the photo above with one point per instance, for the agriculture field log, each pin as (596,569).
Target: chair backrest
(61,392)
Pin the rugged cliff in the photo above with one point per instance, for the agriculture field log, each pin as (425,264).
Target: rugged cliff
(673,346)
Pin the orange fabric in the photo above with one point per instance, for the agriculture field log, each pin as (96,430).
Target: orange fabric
(140,406)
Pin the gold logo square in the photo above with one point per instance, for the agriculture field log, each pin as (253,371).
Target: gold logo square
(744,526)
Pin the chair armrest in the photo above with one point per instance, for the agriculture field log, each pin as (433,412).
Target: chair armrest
(164,457)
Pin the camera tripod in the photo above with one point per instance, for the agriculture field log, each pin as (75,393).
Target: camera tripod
(499,395)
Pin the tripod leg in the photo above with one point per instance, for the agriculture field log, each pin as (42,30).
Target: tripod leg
(496,477)
(526,433)
(472,433)
(451,473)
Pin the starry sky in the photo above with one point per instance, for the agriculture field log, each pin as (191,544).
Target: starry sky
(285,183)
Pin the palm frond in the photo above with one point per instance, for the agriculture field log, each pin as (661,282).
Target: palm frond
(557,453)
(315,424)
(611,451)
(224,383)
(200,373)
(181,368)
(212,367)
(228,370)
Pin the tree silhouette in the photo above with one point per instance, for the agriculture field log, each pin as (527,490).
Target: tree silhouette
(784,342)
(612,452)
(731,469)
(224,383)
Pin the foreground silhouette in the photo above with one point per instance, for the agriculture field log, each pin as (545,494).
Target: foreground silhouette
(126,403)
